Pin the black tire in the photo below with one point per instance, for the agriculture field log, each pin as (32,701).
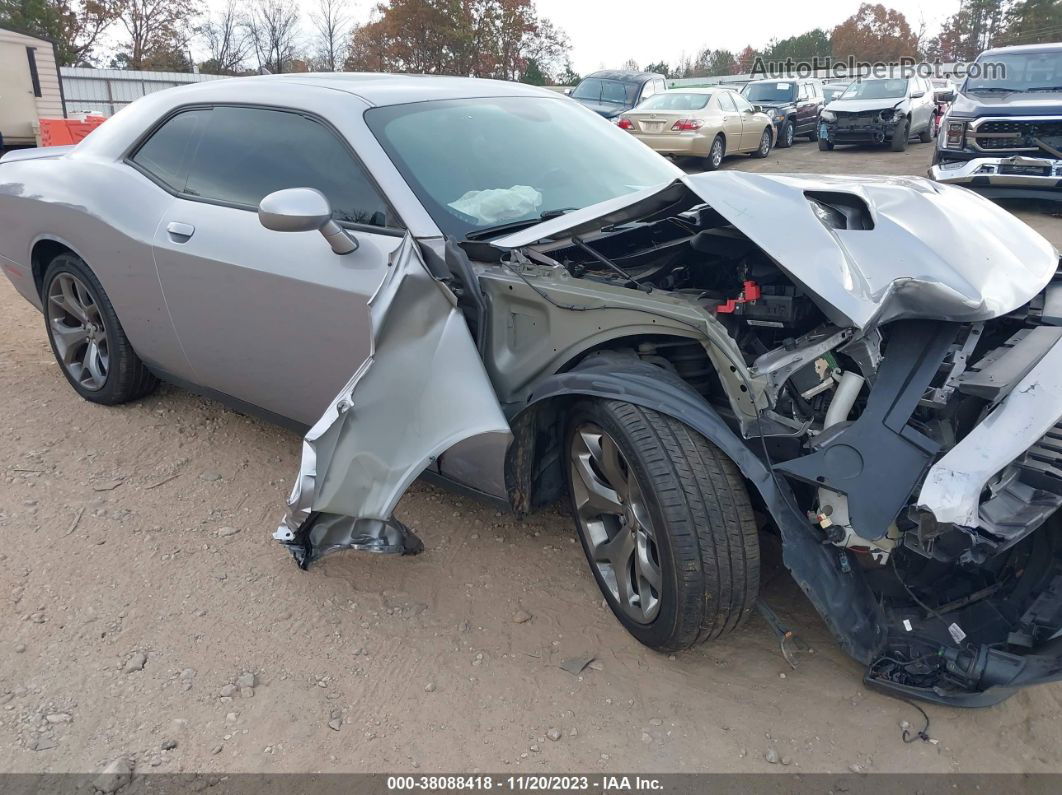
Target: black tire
(126,377)
(900,136)
(825,146)
(765,144)
(926,136)
(715,156)
(706,546)
(786,134)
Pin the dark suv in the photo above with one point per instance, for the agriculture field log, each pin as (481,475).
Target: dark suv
(613,91)
(793,105)
(1003,133)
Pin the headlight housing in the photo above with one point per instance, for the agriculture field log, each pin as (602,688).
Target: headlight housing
(779,117)
(827,115)
(954,136)
(888,114)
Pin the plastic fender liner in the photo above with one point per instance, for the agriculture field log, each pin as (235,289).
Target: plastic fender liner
(828,576)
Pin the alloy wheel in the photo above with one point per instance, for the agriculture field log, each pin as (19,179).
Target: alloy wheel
(717,153)
(614,520)
(765,143)
(78,330)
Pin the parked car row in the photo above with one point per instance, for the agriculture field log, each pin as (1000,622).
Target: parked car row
(714,122)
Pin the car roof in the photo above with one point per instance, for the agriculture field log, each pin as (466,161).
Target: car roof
(389,89)
(697,90)
(784,80)
(622,74)
(1018,48)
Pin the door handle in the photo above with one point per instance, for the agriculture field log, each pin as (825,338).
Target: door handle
(179,232)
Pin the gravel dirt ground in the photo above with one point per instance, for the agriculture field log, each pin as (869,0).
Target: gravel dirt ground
(147,614)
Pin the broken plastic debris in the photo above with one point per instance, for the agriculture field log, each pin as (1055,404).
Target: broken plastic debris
(495,205)
(575,665)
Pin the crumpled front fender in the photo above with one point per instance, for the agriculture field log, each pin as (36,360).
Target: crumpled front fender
(422,390)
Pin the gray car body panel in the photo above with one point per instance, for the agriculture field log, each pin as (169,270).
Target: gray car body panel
(421,390)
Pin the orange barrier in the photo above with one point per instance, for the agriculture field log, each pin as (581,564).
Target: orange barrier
(63,132)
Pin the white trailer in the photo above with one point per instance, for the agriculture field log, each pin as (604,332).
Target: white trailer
(30,88)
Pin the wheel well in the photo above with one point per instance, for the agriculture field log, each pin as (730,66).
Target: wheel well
(41,257)
(534,466)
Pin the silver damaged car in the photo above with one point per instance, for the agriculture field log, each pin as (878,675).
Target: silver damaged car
(487,285)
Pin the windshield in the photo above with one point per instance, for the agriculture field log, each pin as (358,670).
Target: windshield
(596,89)
(769,92)
(672,100)
(1029,71)
(891,88)
(832,92)
(480,163)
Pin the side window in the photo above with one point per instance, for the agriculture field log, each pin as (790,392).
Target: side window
(660,86)
(726,101)
(244,154)
(741,103)
(166,153)
(648,89)
(802,92)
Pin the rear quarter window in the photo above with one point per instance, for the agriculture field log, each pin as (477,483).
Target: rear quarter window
(167,153)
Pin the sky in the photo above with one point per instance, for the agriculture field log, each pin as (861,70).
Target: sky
(605,33)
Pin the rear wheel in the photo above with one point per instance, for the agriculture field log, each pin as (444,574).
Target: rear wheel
(765,144)
(88,341)
(926,136)
(665,521)
(715,154)
(900,136)
(825,146)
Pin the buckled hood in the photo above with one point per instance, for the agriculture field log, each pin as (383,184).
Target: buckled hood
(928,250)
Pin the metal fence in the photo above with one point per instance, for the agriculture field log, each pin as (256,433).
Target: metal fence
(106,91)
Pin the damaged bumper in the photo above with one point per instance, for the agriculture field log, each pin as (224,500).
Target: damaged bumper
(1013,172)
(864,133)
(1023,430)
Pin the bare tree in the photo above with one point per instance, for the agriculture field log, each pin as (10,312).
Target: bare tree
(331,26)
(273,28)
(157,33)
(225,34)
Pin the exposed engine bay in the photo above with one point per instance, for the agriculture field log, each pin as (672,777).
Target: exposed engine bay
(851,422)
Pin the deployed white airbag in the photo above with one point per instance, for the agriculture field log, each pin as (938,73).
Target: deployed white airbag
(495,205)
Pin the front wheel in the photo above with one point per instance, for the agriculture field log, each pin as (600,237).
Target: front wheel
(785,135)
(665,521)
(900,136)
(825,146)
(88,341)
